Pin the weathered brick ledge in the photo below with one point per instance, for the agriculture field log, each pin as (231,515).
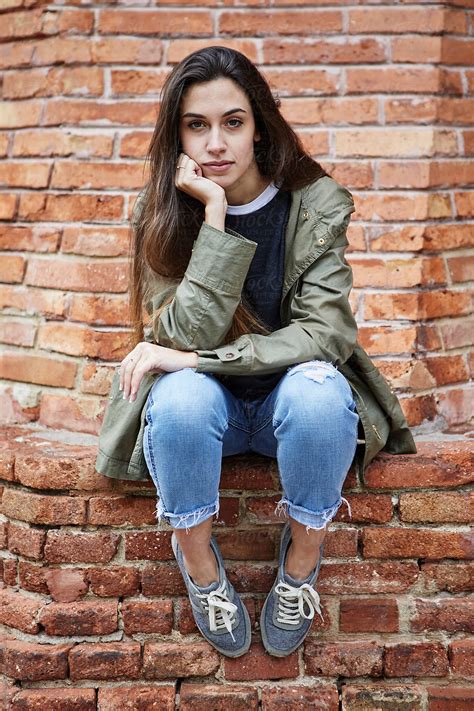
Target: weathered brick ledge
(94,613)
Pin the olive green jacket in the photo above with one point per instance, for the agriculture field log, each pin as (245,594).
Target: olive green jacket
(317,323)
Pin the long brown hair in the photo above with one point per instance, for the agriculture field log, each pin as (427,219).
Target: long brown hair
(168,220)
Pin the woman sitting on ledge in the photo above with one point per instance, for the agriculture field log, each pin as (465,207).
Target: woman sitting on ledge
(251,344)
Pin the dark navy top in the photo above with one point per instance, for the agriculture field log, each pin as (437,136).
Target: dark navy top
(262,289)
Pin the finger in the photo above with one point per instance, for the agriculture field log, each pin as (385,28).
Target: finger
(127,378)
(137,375)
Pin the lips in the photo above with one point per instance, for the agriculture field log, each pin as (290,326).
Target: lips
(218,165)
(218,169)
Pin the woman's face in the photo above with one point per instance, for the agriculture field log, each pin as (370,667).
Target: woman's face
(217,125)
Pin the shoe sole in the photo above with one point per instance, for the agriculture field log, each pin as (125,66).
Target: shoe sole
(246,620)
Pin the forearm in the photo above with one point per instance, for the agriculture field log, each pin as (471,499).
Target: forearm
(205,301)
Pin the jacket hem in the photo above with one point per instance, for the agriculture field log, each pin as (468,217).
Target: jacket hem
(118,468)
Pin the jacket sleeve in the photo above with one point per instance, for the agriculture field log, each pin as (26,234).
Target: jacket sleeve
(322,326)
(205,300)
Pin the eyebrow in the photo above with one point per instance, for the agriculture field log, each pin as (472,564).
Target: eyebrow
(227,113)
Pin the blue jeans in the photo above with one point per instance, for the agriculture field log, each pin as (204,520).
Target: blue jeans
(308,422)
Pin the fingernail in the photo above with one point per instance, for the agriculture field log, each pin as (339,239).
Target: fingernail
(120,387)
(124,396)
(130,399)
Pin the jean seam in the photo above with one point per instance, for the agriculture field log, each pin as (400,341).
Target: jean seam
(263,425)
(155,479)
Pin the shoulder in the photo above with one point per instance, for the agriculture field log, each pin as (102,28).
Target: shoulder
(330,204)
(326,194)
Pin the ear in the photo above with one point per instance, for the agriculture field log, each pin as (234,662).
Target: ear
(256,137)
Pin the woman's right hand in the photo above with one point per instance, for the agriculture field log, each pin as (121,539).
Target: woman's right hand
(190,180)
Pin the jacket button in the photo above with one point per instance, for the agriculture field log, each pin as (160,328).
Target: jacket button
(305,214)
(229,355)
(321,240)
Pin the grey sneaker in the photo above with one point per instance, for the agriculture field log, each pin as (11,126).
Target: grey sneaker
(219,613)
(289,609)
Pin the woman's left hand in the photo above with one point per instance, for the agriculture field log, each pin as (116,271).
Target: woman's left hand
(150,358)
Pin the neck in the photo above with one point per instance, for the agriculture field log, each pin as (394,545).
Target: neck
(238,194)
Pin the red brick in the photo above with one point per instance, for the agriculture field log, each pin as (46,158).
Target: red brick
(159,23)
(68,547)
(36,508)
(257,664)
(108,176)
(30,239)
(97,113)
(33,301)
(372,697)
(446,698)
(7,211)
(78,414)
(416,659)
(56,699)
(415,543)
(26,541)
(461,268)
(65,584)
(90,276)
(149,617)
(137,698)
(38,369)
(148,545)
(109,661)
(455,404)
(16,332)
(100,310)
(122,510)
(437,464)
(100,241)
(75,471)
(76,339)
(17,114)
(24,175)
(135,144)
(114,581)
(452,615)
(78,81)
(243,472)
(250,578)
(246,545)
(97,380)
(53,142)
(19,611)
(36,207)
(35,662)
(437,507)
(299,698)
(258,23)
(368,615)
(163,660)
(202,697)
(162,579)
(452,577)
(461,657)
(87,617)
(389,20)
(342,658)
(32,577)
(12,268)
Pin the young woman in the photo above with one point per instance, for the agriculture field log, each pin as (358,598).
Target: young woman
(238,257)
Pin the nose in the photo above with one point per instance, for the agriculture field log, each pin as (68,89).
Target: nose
(215,143)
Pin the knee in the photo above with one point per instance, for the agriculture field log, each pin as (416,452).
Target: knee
(314,391)
(184,397)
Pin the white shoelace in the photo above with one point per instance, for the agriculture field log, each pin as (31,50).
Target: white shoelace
(221,610)
(292,600)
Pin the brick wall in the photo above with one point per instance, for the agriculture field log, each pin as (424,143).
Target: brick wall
(94,612)
(381,95)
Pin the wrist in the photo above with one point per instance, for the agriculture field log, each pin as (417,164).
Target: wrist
(192,359)
(215,215)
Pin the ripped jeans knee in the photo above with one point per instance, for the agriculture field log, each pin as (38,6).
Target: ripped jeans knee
(317,370)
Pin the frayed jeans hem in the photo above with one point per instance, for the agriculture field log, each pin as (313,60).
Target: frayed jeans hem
(312,520)
(182,520)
